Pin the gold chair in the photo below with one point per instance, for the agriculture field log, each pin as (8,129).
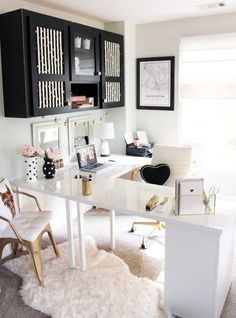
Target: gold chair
(178,159)
(23,228)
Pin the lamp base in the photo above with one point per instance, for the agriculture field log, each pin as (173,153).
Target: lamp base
(105,151)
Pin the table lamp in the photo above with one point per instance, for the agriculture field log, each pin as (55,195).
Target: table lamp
(104,131)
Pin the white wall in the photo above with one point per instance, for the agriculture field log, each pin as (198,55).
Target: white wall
(125,118)
(130,82)
(162,39)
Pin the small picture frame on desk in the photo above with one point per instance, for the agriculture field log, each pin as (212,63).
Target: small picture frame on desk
(155,83)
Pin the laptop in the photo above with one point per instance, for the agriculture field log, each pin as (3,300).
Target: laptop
(87,159)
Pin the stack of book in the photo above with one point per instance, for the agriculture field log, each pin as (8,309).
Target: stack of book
(81,102)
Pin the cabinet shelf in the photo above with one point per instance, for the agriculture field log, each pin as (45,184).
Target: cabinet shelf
(82,50)
(86,91)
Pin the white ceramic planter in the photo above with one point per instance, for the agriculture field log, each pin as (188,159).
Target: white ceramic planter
(86,44)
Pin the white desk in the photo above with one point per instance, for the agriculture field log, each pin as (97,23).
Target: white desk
(198,249)
(65,185)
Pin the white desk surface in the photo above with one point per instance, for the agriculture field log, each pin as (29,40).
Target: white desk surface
(125,196)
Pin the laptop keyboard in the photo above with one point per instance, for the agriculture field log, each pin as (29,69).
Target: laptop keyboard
(96,165)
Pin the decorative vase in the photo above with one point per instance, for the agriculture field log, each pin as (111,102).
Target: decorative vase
(210,204)
(31,164)
(49,168)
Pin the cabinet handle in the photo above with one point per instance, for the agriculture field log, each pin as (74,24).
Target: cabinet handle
(98,73)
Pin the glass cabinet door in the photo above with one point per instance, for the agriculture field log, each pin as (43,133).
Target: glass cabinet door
(84,61)
(84,50)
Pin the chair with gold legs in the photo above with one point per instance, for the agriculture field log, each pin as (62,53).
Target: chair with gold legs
(23,228)
(168,163)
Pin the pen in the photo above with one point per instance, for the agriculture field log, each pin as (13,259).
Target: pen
(85,178)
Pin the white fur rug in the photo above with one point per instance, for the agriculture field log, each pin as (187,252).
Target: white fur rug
(106,290)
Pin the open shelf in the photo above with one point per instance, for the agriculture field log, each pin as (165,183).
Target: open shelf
(84,96)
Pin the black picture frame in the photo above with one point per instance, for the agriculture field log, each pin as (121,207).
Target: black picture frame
(155,83)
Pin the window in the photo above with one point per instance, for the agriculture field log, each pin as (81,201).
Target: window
(208,99)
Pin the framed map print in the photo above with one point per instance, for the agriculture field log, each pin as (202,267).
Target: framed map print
(155,83)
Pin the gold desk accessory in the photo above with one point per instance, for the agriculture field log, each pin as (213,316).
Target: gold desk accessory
(152,203)
(86,184)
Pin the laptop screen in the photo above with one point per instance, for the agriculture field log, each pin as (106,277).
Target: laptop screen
(86,156)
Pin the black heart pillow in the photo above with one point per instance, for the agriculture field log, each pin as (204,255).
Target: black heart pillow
(158,174)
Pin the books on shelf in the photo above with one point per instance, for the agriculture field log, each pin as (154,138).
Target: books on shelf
(189,196)
(81,102)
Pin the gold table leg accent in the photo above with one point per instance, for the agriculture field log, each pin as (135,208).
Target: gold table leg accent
(158,225)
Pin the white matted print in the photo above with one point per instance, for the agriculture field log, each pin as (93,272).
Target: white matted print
(155,83)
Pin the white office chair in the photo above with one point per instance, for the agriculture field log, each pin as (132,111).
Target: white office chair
(178,159)
(23,228)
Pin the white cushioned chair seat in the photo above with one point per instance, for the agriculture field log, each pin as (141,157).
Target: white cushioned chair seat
(28,224)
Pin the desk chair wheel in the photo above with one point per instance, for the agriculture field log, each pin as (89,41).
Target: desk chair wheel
(143,245)
(132,230)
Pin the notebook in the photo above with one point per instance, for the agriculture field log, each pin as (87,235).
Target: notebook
(87,159)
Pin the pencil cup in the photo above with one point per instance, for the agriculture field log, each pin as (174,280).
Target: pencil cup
(86,187)
(210,204)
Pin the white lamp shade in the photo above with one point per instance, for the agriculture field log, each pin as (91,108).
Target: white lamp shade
(104,131)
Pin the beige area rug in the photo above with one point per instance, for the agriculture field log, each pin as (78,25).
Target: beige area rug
(106,289)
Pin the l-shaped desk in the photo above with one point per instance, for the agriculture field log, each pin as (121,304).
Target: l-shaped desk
(198,249)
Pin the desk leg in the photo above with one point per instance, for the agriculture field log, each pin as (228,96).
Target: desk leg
(81,237)
(71,249)
(112,229)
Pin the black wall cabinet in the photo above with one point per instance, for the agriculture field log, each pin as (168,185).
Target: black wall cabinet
(53,66)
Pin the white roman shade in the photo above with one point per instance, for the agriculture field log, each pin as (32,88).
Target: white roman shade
(208,66)
(207,90)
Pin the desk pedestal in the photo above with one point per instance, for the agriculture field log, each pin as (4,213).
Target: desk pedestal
(198,269)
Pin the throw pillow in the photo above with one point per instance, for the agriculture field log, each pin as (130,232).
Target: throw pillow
(7,202)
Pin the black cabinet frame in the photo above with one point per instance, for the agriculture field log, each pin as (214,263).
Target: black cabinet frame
(26,89)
